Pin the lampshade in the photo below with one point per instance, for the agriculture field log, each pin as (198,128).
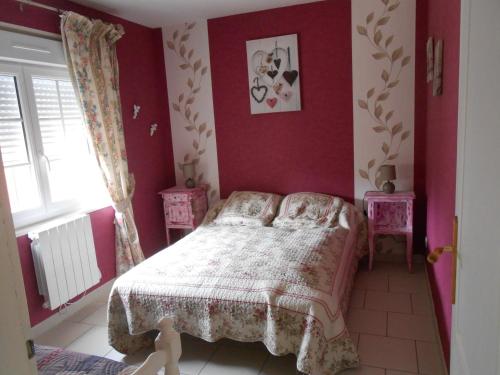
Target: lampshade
(188,170)
(387,172)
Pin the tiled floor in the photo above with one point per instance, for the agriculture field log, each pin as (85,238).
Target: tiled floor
(390,320)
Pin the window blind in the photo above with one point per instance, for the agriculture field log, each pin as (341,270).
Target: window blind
(12,134)
(59,117)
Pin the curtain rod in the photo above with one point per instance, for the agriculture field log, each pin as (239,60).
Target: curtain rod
(38,5)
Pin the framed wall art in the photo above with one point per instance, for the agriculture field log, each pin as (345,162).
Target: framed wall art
(273,74)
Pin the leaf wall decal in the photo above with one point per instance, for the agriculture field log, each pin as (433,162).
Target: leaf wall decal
(385,148)
(363,174)
(397,54)
(397,128)
(393,6)
(388,41)
(361,30)
(195,72)
(362,104)
(393,156)
(383,21)
(381,39)
(197,65)
(383,96)
(379,55)
(393,84)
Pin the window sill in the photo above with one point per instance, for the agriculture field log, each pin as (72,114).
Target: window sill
(54,221)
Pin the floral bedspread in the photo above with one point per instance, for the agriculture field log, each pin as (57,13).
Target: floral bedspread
(286,288)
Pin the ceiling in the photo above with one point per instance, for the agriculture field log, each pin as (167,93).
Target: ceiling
(157,13)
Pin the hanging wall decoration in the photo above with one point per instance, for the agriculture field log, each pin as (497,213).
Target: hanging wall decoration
(273,74)
(430,59)
(437,80)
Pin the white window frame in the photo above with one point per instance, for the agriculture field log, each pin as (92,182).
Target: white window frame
(47,210)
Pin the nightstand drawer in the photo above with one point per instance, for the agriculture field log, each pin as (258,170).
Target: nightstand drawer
(179,197)
(179,214)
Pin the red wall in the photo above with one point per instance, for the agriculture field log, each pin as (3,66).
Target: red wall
(310,150)
(143,82)
(441,19)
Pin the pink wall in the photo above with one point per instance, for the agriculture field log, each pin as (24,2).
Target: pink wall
(441,19)
(310,150)
(142,81)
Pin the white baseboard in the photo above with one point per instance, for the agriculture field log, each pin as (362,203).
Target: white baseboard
(98,295)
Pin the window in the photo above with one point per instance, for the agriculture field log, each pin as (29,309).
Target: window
(49,163)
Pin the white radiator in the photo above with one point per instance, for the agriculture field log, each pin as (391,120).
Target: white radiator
(65,260)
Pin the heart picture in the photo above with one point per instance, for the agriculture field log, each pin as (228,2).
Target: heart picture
(271,102)
(258,93)
(290,76)
(273,74)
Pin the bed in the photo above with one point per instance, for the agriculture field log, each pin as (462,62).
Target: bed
(283,283)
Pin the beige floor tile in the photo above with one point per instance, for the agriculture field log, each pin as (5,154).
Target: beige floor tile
(230,360)
(388,352)
(94,341)
(84,312)
(364,370)
(98,317)
(371,280)
(63,334)
(195,354)
(385,301)
(429,358)
(367,321)
(286,365)
(411,283)
(407,326)
(399,268)
(421,304)
(357,299)
(135,359)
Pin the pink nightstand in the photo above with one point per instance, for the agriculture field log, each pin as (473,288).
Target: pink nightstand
(184,208)
(390,214)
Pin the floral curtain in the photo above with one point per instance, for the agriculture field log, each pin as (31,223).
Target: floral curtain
(89,47)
